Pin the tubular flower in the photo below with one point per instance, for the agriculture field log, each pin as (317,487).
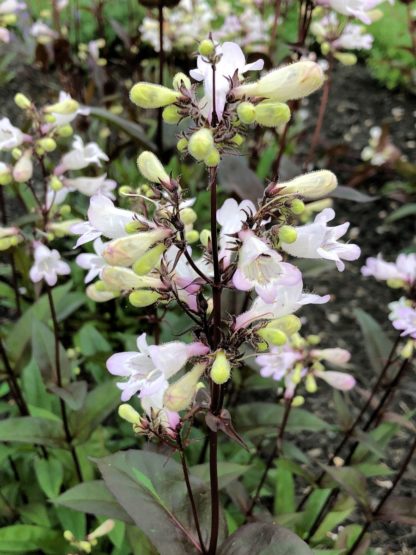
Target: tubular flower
(90,186)
(48,265)
(403,316)
(10,136)
(81,156)
(404,269)
(355,8)
(94,263)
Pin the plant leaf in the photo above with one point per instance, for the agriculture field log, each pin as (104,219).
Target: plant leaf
(227,472)
(377,344)
(74,394)
(50,475)
(348,193)
(351,481)
(402,212)
(32,430)
(25,538)
(263,539)
(43,348)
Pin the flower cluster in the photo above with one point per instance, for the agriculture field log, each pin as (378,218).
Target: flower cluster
(360,9)
(398,275)
(9,10)
(149,256)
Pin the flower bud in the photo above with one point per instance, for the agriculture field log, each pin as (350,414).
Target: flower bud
(200,144)
(180,394)
(149,95)
(7,242)
(205,237)
(16,153)
(65,131)
(213,158)
(149,260)
(238,139)
(5,174)
(311,185)
(151,168)
(182,144)
(69,536)
(171,115)
(49,118)
(126,250)
(134,226)
(297,206)
(313,339)
(65,210)
(262,347)
(290,82)
(325,48)
(66,107)
(408,349)
(99,294)
(297,401)
(143,298)
(272,114)
(395,283)
(288,234)
(22,101)
(188,216)
(105,527)
(297,374)
(191,236)
(47,144)
(273,336)
(55,183)
(310,384)
(206,48)
(23,169)
(246,111)
(221,368)
(346,58)
(124,279)
(128,413)
(181,80)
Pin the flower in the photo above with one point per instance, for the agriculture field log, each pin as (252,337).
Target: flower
(66,118)
(91,186)
(404,269)
(231,217)
(317,240)
(94,263)
(4,35)
(81,156)
(11,6)
(278,362)
(232,60)
(10,136)
(403,316)
(355,8)
(147,372)
(42,32)
(287,300)
(260,267)
(48,265)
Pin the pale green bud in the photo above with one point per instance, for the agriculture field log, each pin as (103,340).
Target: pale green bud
(180,79)
(5,174)
(290,82)
(9,19)
(221,368)
(200,144)
(205,237)
(22,101)
(313,339)
(180,394)
(65,131)
(171,115)
(206,48)
(66,107)
(149,260)
(213,158)
(124,279)
(182,144)
(128,413)
(408,349)
(55,183)
(273,336)
(188,216)
(191,236)
(7,242)
(297,374)
(272,114)
(65,210)
(143,298)
(297,401)
(16,153)
(310,384)
(151,168)
(310,185)
(149,95)
(238,139)
(395,283)
(23,169)
(346,58)
(287,324)
(246,112)
(297,206)
(69,536)
(288,234)
(134,226)
(49,118)
(85,546)
(126,250)
(325,48)
(262,347)
(47,144)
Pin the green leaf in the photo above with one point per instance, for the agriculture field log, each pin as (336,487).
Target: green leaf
(32,430)
(33,387)
(313,507)
(139,542)
(227,472)
(94,498)
(344,414)
(371,470)
(50,475)
(263,539)
(164,514)
(74,394)
(402,212)
(351,481)
(377,344)
(43,348)
(284,499)
(91,341)
(132,129)
(25,538)
(341,511)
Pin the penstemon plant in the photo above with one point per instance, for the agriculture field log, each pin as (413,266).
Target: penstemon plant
(158,259)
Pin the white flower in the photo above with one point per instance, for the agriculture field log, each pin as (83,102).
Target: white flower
(231,217)
(81,156)
(147,372)
(4,35)
(103,219)
(261,267)
(288,299)
(10,136)
(403,269)
(91,186)
(232,61)
(42,32)
(403,316)
(353,37)
(355,8)
(64,119)
(94,263)
(317,240)
(11,6)
(278,362)
(48,265)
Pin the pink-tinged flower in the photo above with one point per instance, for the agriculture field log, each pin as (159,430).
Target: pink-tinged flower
(403,316)
(353,37)
(11,6)
(403,269)
(318,240)
(337,356)
(23,169)
(231,217)
(42,32)
(10,136)
(147,372)
(278,362)
(337,380)
(48,265)
(353,8)
(81,156)
(91,186)
(406,266)
(260,267)
(103,219)
(288,299)
(4,35)
(232,60)
(94,263)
